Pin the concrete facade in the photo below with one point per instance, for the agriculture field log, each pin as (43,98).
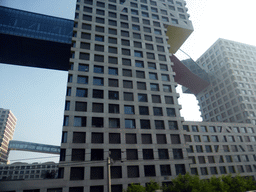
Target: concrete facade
(121,96)
(7,126)
(231,94)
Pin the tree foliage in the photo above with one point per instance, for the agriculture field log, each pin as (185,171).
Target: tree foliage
(192,183)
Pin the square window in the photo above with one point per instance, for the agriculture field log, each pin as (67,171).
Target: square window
(78,155)
(129,109)
(99,48)
(112,50)
(156,99)
(112,31)
(81,106)
(163,154)
(135,19)
(136,36)
(131,154)
(133,171)
(99,12)
(99,38)
(165,170)
(175,139)
(154,87)
(113,82)
(167,88)
(86,26)
(84,56)
(113,108)
(161,138)
(130,138)
(136,27)
(98,69)
(142,98)
(125,42)
(97,154)
(150,55)
(126,52)
(99,58)
(130,123)
(114,95)
(171,112)
(83,67)
(144,124)
(143,110)
(97,122)
(128,96)
(81,92)
(146,139)
(148,38)
(159,40)
(98,81)
(138,54)
(137,44)
(85,45)
(177,154)
(114,138)
(125,34)
(78,137)
(126,62)
(153,76)
(146,22)
(97,107)
(140,74)
(79,121)
(77,173)
(97,173)
(159,124)
(148,154)
(124,25)
(112,22)
(127,72)
(127,84)
(139,63)
(112,14)
(112,40)
(141,86)
(158,111)
(85,35)
(82,79)
(173,125)
(112,71)
(124,17)
(87,17)
(165,77)
(149,170)
(169,100)
(112,60)
(114,123)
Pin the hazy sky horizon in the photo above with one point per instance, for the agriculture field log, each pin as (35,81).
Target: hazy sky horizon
(37,96)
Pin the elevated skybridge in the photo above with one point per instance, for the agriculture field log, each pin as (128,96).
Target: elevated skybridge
(33,147)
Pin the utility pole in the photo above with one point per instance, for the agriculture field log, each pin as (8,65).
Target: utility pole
(109,173)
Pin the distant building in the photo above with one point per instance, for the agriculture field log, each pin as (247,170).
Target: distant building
(231,68)
(21,171)
(7,126)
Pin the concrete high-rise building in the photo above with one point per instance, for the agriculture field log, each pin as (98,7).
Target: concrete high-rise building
(231,70)
(7,126)
(121,99)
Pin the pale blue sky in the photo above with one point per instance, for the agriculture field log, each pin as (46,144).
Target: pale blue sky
(36,96)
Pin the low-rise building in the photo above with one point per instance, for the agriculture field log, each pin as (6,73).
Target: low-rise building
(21,171)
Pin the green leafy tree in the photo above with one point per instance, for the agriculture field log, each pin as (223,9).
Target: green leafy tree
(135,188)
(152,186)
